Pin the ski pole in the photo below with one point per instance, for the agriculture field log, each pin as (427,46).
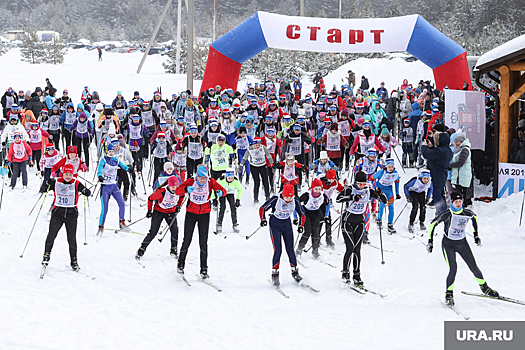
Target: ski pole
(134,222)
(402,167)
(131,185)
(381,241)
(34,206)
(248,237)
(86,180)
(143,184)
(521,215)
(400,213)
(3,185)
(85,227)
(168,228)
(34,224)
(333,223)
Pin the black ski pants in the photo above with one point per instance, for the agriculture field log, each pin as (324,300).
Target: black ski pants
(156,221)
(353,226)
(83,144)
(60,217)
(191,166)
(233,209)
(418,202)
(190,221)
(260,174)
(312,227)
(450,248)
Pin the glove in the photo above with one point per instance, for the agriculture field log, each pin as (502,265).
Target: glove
(83,167)
(357,197)
(42,173)
(218,193)
(304,168)
(50,137)
(409,199)
(135,143)
(215,202)
(190,189)
(130,169)
(264,223)
(3,143)
(319,142)
(86,192)
(327,220)
(296,222)
(278,166)
(100,178)
(239,169)
(149,214)
(30,163)
(300,229)
(429,200)
(477,240)
(352,157)
(237,203)
(177,210)
(347,145)
(7,164)
(430,246)
(398,196)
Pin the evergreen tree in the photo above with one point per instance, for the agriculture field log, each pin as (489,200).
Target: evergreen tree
(56,50)
(32,50)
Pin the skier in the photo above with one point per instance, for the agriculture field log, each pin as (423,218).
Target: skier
(386,178)
(358,196)
(323,164)
(138,133)
(316,207)
(282,207)
(194,149)
(407,143)
(415,194)
(160,149)
(163,204)
(233,188)
(36,137)
(64,212)
(242,142)
(454,241)
(124,156)
(365,140)
(198,211)
(71,158)
(330,184)
(258,155)
(19,155)
(83,130)
(107,175)
(48,160)
(219,156)
(290,168)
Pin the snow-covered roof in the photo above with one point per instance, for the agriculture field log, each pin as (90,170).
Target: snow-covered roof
(513,47)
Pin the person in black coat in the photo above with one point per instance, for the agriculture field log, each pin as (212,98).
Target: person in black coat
(364,83)
(35,105)
(438,154)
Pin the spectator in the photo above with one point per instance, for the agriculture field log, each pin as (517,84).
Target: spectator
(364,83)
(517,149)
(438,154)
(461,168)
(35,104)
(382,91)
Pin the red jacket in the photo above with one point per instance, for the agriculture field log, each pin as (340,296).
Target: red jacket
(278,144)
(158,197)
(342,142)
(33,137)
(77,165)
(23,154)
(284,180)
(196,208)
(377,143)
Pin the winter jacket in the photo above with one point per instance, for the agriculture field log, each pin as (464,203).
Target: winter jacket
(50,99)
(123,100)
(9,132)
(36,137)
(248,156)
(364,84)
(334,154)
(234,187)
(24,153)
(517,151)
(438,158)
(78,124)
(193,207)
(415,116)
(35,105)
(461,165)
(66,120)
(158,196)
(376,116)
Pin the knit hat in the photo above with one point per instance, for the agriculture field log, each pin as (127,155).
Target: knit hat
(82,115)
(330,174)
(110,147)
(406,120)
(257,140)
(290,156)
(193,127)
(323,155)
(242,129)
(334,126)
(28,93)
(384,130)
(297,126)
(111,130)
(68,169)
(173,180)
(454,196)
(360,176)
(367,123)
(17,134)
(202,171)
(161,134)
(327,120)
(389,161)
(316,183)
(72,149)
(460,138)
(371,152)
(344,112)
(168,165)
(288,190)
(360,120)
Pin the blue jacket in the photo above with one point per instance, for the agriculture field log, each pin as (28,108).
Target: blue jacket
(377,176)
(111,161)
(63,116)
(438,158)
(414,116)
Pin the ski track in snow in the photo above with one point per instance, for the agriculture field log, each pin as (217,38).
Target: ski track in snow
(131,307)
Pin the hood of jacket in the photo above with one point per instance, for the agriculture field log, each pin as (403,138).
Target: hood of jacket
(80,105)
(441,139)
(464,144)
(70,104)
(373,108)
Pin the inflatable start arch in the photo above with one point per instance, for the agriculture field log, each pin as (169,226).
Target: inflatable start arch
(408,33)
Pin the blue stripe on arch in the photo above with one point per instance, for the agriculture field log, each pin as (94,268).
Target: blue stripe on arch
(242,42)
(431,46)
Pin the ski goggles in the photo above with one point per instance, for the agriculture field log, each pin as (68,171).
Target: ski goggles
(425,174)
(221,138)
(361,183)
(229,174)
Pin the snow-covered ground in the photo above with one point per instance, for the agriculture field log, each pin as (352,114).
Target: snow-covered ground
(129,307)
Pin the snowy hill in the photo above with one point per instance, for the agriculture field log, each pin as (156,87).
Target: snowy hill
(130,307)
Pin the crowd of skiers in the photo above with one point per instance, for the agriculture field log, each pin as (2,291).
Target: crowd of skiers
(201,149)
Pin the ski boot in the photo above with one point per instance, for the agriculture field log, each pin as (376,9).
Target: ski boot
(488,291)
(74,264)
(391,229)
(379,224)
(204,274)
(422,226)
(140,253)
(315,253)
(123,227)
(365,238)
(357,279)
(133,192)
(347,167)
(100,230)
(449,298)
(329,242)
(125,196)
(374,217)
(275,277)
(219,229)
(346,276)
(174,253)
(295,275)
(411,228)
(45,259)
(180,269)
(255,201)
(299,250)
(236,228)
